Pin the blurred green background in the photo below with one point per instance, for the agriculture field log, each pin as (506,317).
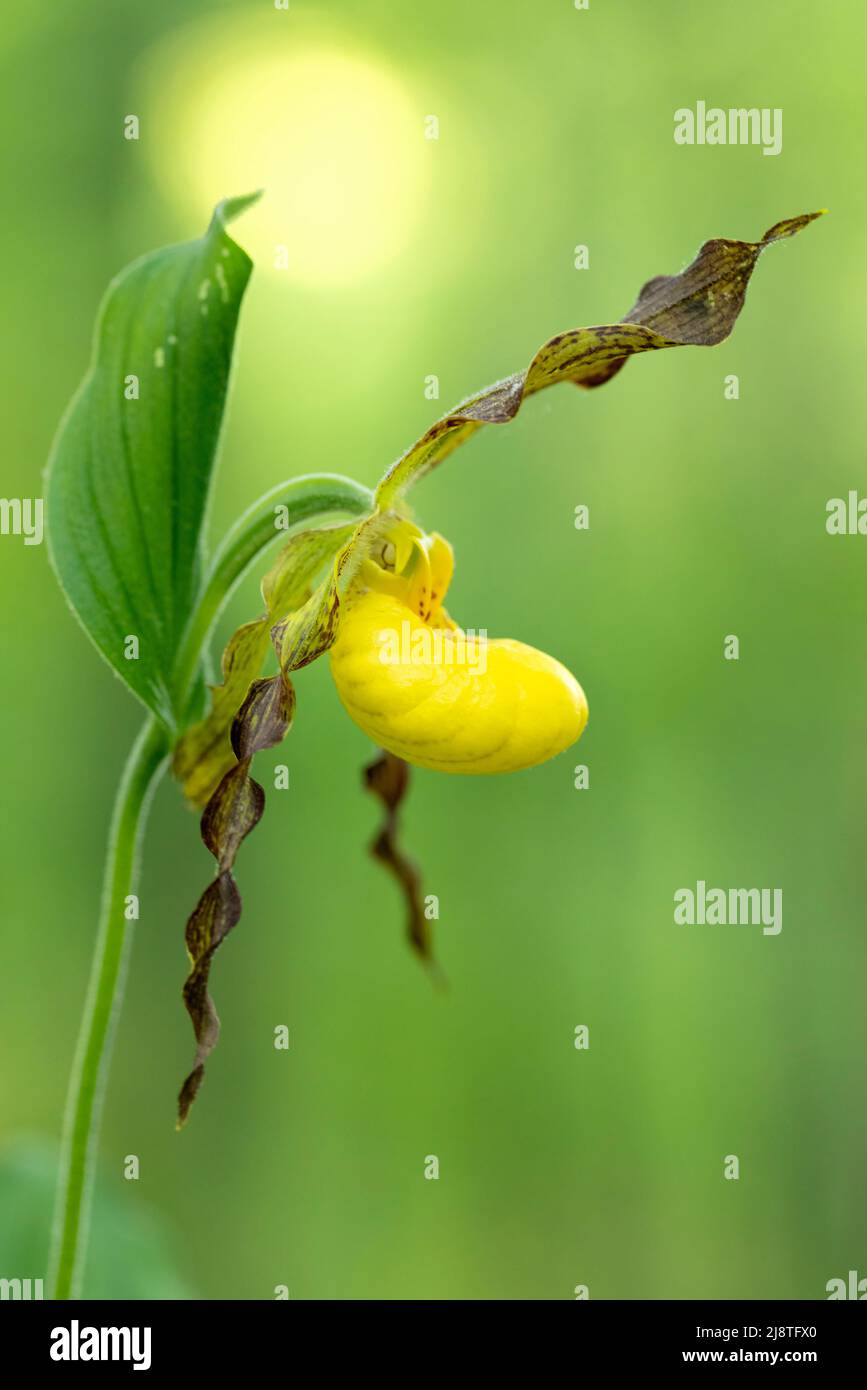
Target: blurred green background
(411,257)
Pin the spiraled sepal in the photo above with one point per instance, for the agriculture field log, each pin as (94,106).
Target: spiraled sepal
(233,811)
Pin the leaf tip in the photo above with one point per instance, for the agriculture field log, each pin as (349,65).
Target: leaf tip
(229,208)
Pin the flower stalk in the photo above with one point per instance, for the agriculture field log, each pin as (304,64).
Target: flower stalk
(299,499)
(144,767)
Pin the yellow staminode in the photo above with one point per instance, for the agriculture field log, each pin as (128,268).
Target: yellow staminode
(432,694)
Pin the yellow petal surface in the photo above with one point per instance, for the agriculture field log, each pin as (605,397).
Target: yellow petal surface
(442,699)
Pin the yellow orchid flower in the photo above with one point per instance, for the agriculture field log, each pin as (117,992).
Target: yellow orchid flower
(422,688)
(429,692)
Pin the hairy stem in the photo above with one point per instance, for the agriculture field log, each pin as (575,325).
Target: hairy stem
(84,1106)
(302,498)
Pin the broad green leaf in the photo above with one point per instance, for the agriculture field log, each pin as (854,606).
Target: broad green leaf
(698,307)
(131,469)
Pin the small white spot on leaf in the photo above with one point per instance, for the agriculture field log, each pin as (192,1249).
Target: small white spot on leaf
(220,274)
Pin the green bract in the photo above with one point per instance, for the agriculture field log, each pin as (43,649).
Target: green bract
(130,473)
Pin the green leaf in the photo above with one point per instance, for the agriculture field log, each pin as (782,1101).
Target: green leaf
(697,308)
(131,469)
(131,1254)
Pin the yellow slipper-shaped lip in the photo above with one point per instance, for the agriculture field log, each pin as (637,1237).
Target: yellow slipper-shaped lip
(453,701)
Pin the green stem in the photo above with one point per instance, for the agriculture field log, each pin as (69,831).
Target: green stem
(303,498)
(84,1107)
